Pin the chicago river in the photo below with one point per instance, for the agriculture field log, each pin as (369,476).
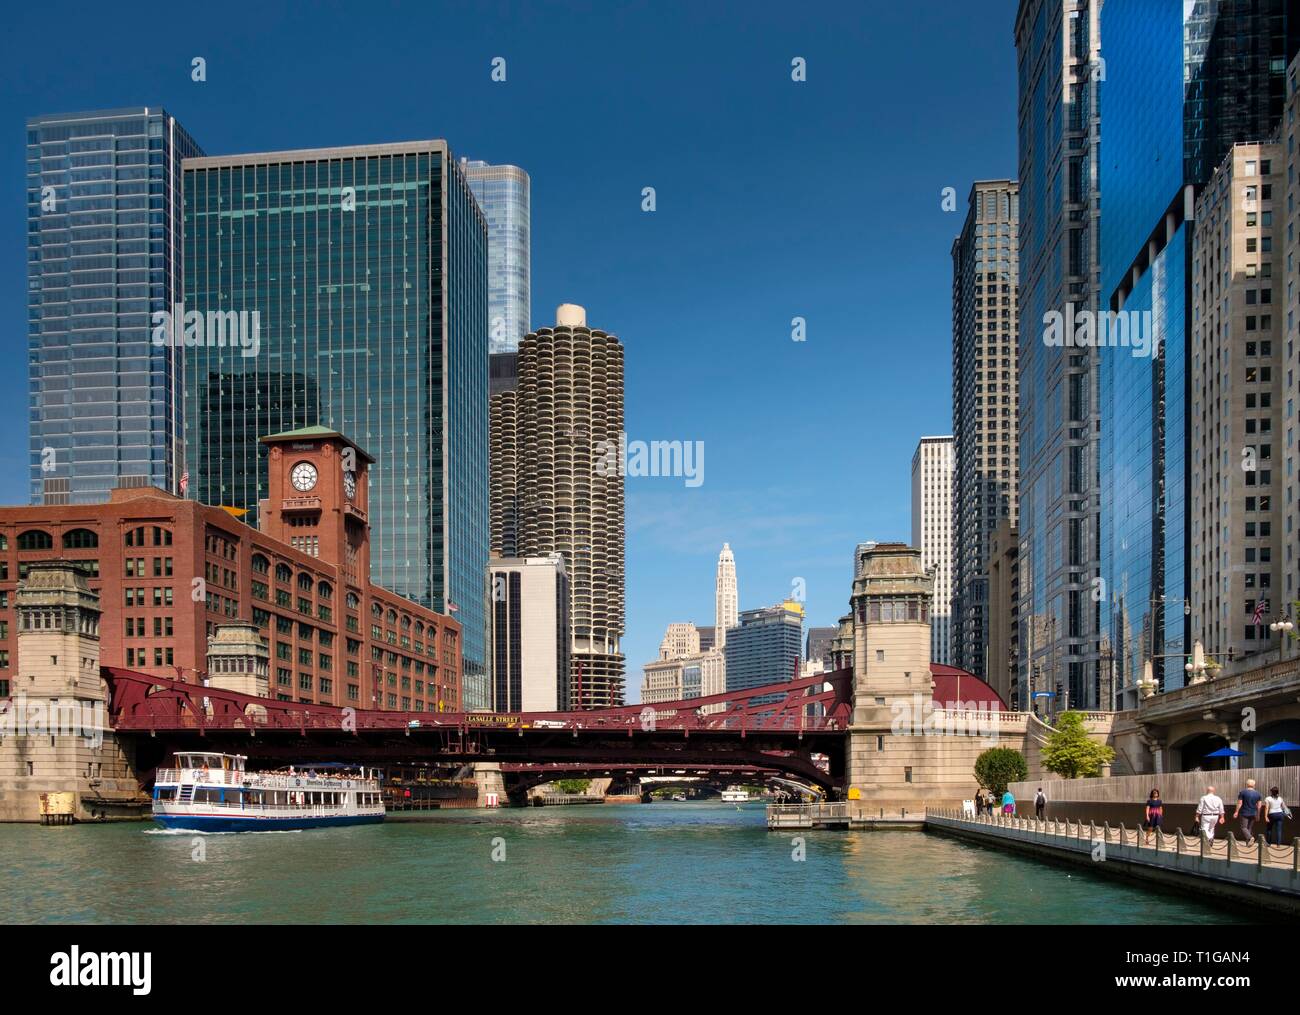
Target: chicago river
(650,863)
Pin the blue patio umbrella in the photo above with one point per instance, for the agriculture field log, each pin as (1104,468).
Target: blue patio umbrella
(1280,747)
(1226,752)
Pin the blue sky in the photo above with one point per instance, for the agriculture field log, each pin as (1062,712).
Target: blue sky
(775,200)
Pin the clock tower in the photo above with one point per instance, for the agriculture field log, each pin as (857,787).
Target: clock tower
(317,500)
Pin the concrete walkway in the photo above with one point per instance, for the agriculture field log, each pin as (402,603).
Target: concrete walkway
(1256,874)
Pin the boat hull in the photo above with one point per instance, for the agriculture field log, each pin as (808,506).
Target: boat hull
(233,823)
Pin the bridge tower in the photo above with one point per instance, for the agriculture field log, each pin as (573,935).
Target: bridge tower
(239,660)
(55,739)
(888,759)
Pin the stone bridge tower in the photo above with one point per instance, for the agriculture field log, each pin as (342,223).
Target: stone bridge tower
(55,739)
(891,675)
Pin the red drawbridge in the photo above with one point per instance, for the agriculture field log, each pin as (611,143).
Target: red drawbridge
(798,727)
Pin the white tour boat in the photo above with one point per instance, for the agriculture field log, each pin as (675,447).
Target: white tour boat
(213,793)
(734,795)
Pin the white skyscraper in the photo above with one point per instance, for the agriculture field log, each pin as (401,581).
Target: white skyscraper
(726,604)
(932,534)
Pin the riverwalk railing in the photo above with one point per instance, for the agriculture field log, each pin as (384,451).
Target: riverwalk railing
(1151,843)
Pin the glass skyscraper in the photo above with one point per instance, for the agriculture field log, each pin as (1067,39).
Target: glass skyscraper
(103,244)
(1182,83)
(503,193)
(1057,43)
(367,267)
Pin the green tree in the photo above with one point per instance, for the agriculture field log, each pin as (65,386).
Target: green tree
(1070,754)
(572,785)
(998,766)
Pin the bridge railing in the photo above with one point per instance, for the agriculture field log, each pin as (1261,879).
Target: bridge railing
(813,704)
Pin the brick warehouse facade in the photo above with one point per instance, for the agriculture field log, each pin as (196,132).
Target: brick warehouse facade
(170,571)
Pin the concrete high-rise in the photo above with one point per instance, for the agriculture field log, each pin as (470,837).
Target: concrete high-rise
(985,279)
(1237,515)
(1058,43)
(1184,82)
(726,598)
(932,533)
(528,630)
(367,267)
(552,491)
(503,194)
(103,255)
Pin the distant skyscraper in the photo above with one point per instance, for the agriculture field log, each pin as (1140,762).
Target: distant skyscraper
(932,533)
(984,281)
(551,496)
(726,599)
(1184,82)
(503,193)
(1061,72)
(103,255)
(363,331)
(679,640)
(817,645)
(765,647)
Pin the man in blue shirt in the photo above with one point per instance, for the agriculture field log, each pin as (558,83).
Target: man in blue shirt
(1248,809)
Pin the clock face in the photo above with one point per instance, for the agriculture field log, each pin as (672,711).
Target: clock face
(350,484)
(303,476)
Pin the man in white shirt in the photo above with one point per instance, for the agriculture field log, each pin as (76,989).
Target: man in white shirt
(1210,812)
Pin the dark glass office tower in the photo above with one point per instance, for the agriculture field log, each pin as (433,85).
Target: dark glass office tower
(103,243)
(1183,82)
(1057,615)
(367,267)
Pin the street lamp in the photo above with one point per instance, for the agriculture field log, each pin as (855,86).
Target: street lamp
(1284,625)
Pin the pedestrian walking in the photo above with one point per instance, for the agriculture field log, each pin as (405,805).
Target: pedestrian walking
(1276,811)
(1040,804)
(979,803)
(1155,813)
(1210,812)
(1248,801)
(1009,804)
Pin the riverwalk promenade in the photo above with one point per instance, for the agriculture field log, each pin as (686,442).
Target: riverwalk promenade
(1253,874)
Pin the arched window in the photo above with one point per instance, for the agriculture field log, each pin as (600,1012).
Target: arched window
(376,610)
(419,629)
(80,539)
(406,622)
(353,601)
(305,582)
(392,616)
(324,591)
(35,539)
(260,564)
(283,573)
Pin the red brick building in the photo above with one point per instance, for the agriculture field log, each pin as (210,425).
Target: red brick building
(169,571)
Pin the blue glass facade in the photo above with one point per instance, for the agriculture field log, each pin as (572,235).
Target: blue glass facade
(103,242)
(1057,620)
(1184,81)
(367,268)
(503,193)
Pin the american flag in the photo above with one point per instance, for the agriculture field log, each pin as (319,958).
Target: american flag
(1260,609)
(452,607)
(185,482)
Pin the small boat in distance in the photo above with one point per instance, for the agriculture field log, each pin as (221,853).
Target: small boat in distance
(213,793)
(734,795)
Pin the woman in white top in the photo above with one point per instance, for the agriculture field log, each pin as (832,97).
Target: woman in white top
(1277,811)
